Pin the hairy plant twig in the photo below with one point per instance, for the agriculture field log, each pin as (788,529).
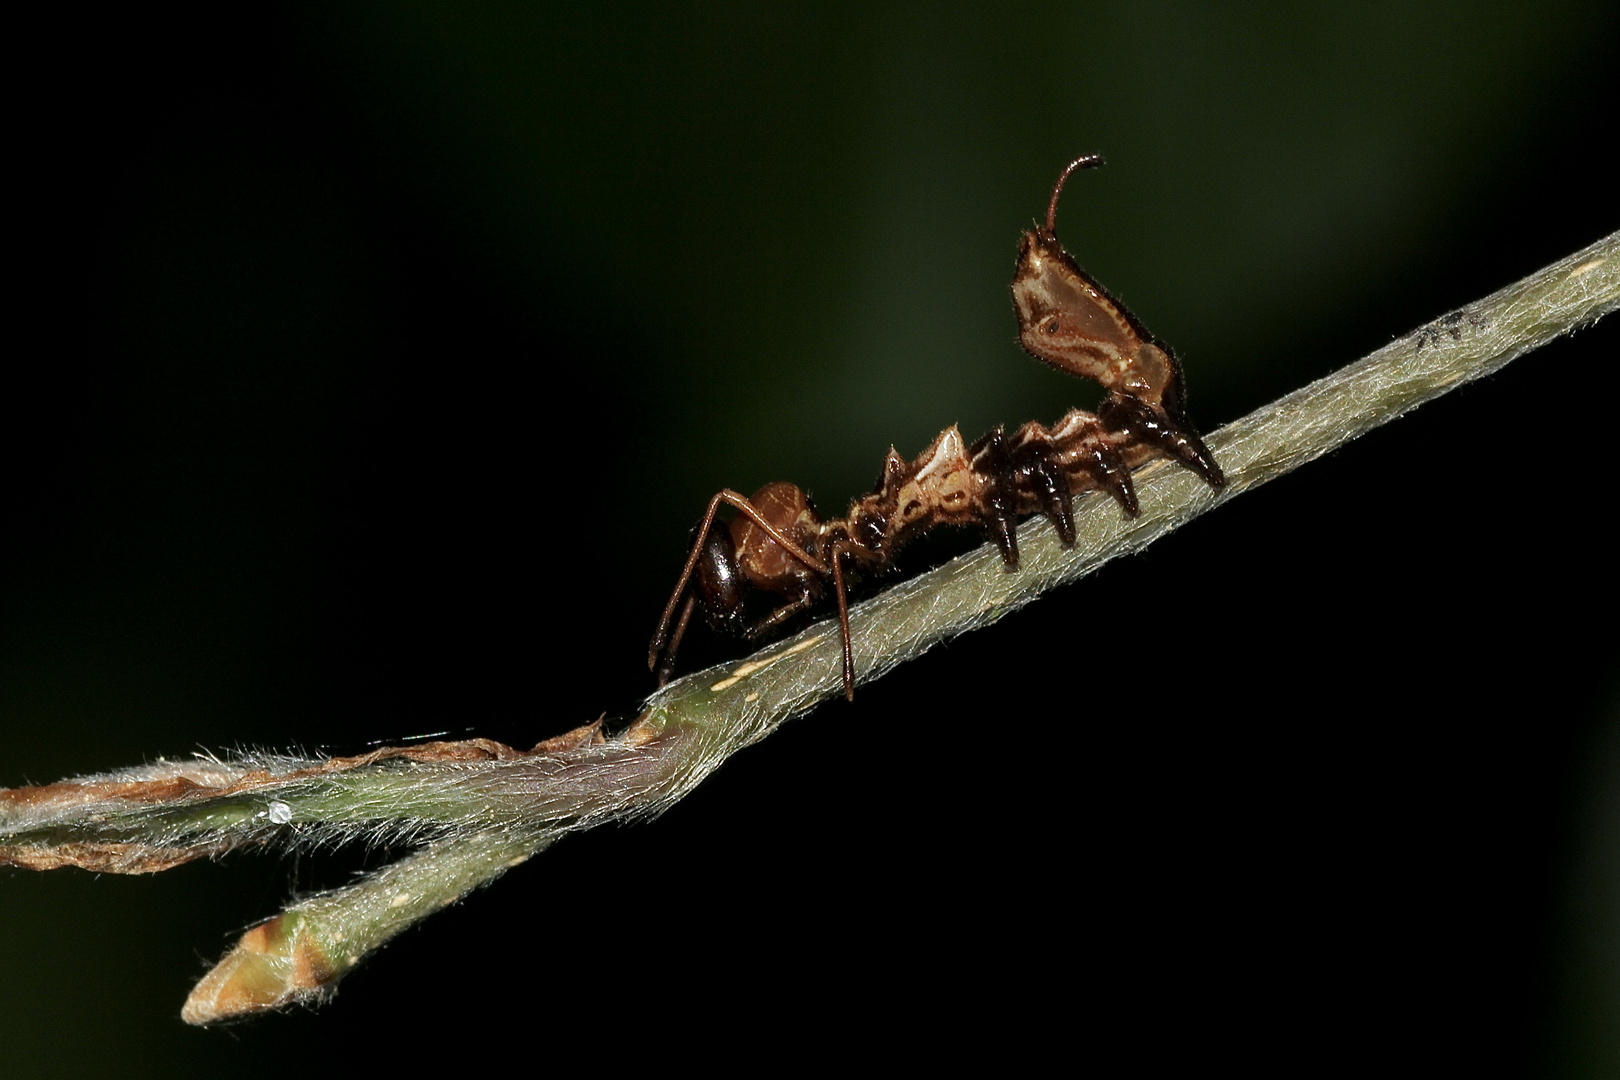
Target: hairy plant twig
(477,807)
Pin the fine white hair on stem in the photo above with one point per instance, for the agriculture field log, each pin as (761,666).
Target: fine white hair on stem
(478,807)
(973,591)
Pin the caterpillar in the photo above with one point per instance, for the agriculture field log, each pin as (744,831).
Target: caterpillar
(778,544)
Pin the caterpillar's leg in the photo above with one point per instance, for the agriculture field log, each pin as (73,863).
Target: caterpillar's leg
(1075,456)
(1111,472)
(992,460)
(1159,428)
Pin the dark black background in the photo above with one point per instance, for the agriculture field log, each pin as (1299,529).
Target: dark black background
(371,362)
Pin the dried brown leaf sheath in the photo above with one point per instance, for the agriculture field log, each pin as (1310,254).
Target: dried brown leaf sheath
(154,817)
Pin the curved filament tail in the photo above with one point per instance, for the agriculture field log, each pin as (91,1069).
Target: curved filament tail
(1085,161)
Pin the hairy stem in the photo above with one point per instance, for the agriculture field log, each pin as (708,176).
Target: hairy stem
(479,807)
(298,956)
(788,678)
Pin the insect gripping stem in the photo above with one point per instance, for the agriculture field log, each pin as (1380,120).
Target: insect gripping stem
(778,546)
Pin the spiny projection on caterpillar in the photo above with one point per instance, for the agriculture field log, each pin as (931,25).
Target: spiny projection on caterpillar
(778,544)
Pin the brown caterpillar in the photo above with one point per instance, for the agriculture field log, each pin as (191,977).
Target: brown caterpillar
(779,544)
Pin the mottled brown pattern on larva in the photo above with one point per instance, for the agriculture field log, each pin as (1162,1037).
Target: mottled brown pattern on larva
(779,545)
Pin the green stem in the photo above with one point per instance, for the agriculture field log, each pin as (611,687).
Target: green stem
(482,807)
(298,956)
(787,679)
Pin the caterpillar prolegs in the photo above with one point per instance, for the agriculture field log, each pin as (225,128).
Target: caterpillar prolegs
(779,544)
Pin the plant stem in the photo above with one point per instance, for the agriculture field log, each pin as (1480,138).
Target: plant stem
(480,807)
(787,679)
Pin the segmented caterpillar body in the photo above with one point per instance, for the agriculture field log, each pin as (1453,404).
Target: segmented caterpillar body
(779,544)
